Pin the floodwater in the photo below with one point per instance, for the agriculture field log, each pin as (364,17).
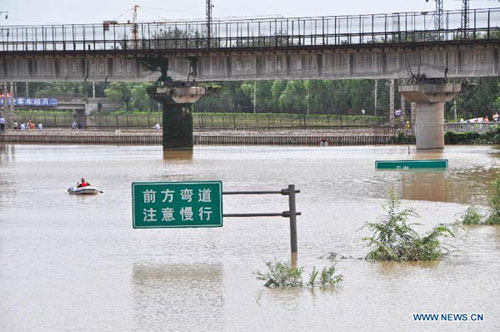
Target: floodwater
(70,263)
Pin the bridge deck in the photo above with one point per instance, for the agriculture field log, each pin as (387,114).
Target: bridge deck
(251,34)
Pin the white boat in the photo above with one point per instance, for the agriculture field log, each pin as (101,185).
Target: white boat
(89,190)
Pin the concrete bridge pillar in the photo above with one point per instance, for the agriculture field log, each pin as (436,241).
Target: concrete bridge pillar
(429,112)
(177,116)
(413,121)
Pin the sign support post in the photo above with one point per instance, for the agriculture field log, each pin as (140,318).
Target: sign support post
(293,218)
(199,204)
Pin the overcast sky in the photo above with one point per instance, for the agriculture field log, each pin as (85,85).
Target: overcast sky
(95,11)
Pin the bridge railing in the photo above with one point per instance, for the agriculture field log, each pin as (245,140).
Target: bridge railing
(478,127)
(408,27)
(206,121)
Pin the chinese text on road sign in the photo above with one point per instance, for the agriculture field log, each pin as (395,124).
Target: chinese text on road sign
(176,204)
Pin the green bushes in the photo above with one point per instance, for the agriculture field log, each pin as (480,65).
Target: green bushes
(489,137)
(451,137)
(394,239)
(494,201)
(283,275)
(402,138)
(472,215)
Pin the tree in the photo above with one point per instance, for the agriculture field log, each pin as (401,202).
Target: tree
(294,96)
(480,100)
(139,97)
(120,92)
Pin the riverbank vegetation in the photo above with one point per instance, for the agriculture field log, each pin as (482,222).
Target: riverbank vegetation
(455,138)
(489,137)
(494,202)
(283,275)
(472,216)
(394,239)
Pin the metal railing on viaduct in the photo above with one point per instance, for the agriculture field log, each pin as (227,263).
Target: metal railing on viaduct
(244,34)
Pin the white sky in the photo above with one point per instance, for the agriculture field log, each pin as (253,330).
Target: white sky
(95,11)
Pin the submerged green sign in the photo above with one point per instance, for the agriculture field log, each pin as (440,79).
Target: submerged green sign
(410,164)
(176,204)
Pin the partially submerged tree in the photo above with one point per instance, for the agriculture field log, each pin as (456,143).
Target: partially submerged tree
(395,239)
(494,217)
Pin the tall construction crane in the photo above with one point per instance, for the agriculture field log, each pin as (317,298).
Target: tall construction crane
(133,24)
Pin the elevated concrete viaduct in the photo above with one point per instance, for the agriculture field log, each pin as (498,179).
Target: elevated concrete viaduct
(375,46)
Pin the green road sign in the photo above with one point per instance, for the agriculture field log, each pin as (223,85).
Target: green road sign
(176,204)
(410,164)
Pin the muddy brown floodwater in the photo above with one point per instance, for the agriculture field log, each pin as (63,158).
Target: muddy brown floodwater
(75,264)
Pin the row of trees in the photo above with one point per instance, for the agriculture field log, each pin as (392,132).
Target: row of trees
(482,98)
(308,96)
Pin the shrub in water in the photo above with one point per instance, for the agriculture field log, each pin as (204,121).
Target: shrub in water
(394,239)
(494,218)
(281,274)
(328,277)
(472,216)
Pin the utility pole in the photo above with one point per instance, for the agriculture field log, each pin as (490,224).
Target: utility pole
(209,21)
(438,15)
(4,92)
(376,98)
(11,112)
(413,118)
(255,96)
(403,109)
(135,26)
(455,109)
(391,101)
(465,16)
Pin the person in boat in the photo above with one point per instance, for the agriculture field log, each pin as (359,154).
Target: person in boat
(83,183)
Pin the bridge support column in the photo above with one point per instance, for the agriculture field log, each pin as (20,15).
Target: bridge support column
(177,116)
(429,111)
(403,109)
(413,108)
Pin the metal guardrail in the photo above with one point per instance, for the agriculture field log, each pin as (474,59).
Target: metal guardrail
(291,213)
(480,127)
(268,33)
(237,121)
(203,121)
